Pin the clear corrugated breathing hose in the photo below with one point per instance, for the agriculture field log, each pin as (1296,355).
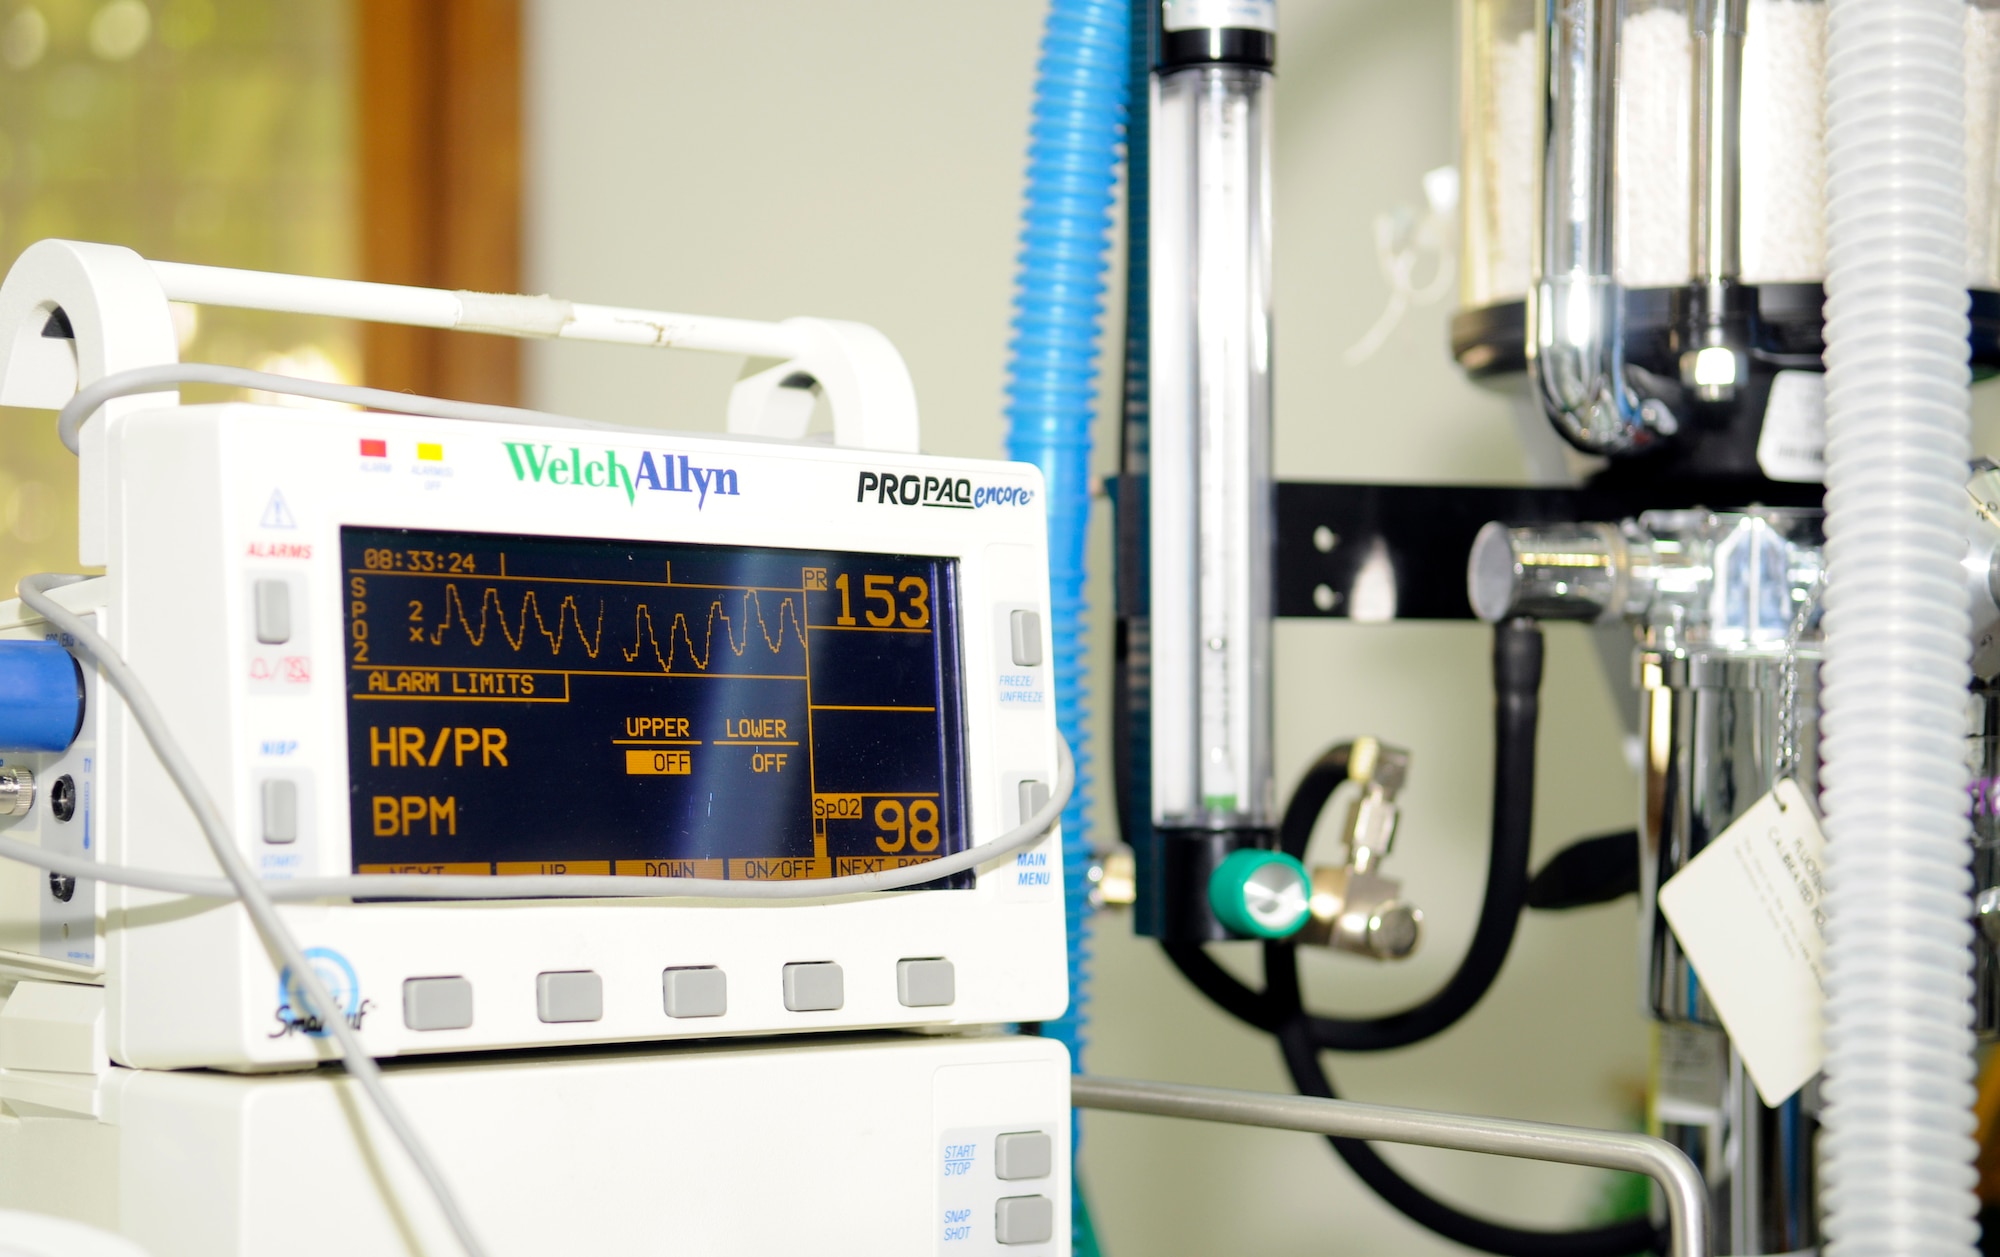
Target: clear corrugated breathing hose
(1897,1149)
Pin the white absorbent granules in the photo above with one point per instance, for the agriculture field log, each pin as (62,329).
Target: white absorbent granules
(1782,146)
(1655,120)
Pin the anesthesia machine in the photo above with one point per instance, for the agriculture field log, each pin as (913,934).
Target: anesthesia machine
(436,814)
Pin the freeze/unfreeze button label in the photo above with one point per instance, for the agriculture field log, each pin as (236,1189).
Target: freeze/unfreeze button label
(1020,688)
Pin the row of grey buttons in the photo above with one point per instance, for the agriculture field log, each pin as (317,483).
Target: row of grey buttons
(445,1002)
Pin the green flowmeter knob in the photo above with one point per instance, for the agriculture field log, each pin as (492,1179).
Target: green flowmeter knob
(1261,894)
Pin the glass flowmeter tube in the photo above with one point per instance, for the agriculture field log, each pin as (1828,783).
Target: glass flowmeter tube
(1211,449)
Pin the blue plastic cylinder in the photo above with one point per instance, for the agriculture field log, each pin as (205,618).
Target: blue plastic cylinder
(41,697)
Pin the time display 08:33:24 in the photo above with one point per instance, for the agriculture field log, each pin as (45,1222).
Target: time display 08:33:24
(386,560)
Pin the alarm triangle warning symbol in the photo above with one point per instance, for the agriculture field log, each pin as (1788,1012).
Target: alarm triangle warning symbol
(277,514)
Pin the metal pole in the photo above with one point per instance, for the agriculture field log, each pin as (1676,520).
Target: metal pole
(1680,1183)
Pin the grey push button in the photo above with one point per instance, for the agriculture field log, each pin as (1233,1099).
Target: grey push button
(281,811)
(571,996)
(1023,1154)
(437,1003)
(702,992)
(1024,1219)
(813,988)
(273,602)
(1025,627)
(930,983)
(1034,797)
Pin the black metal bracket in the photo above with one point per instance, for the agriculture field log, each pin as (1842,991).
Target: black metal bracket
(1398,552)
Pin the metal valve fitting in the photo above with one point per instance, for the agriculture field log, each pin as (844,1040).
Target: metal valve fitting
(17,791)
(1982,567)
(1361,913)
(1353,908)
(1114,879)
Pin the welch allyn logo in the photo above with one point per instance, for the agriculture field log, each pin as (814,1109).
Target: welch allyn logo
(670,473)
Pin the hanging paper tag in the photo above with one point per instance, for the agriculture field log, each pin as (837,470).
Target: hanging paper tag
(1749,911)
(1792,443)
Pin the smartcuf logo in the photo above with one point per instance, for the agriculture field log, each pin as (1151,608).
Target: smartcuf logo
(296,1015)
(670,473)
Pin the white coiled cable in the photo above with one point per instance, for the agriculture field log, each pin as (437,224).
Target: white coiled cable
(1897,1148)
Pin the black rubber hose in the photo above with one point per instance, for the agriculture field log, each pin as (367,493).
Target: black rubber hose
(1587,872)
(1517,682)
(1309,797)
(1278,1008)
(1617,1239)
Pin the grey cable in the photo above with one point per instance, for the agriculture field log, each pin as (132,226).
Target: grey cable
(90,398)
(259,897)
(426,886)
(260,900)
(391,886)
(263,913)
(83,868)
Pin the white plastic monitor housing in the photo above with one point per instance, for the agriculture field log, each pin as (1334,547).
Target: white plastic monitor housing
(189,527)
(870,1148)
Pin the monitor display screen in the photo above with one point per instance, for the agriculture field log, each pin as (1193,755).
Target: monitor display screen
(540,705)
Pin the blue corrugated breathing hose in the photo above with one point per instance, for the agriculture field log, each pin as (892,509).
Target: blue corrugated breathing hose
(1073,153)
